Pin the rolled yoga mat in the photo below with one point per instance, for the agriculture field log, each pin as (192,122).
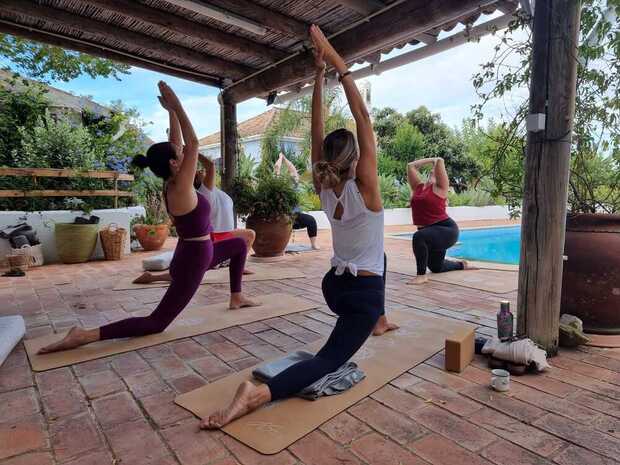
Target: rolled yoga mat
(12,329)
(221,276)
(276,426)
(192,322)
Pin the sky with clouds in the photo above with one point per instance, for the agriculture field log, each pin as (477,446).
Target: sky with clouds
(442,82)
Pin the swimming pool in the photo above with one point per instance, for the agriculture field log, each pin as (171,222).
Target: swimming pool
(501,245)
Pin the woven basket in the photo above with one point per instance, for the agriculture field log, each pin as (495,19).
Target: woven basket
(19,262)
(33,251)
(75,243)
(113,241)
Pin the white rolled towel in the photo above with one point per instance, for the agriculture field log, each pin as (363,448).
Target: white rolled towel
(522,352)
(12,329)
(159,262)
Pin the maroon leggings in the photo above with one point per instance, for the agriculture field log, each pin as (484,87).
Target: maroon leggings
(190,262)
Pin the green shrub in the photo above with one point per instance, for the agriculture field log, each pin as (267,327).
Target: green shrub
(308,198)
(268,197)
(471,198)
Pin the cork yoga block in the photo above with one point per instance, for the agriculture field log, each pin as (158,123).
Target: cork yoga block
(460,349)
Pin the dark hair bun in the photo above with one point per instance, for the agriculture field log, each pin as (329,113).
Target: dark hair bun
(140,161)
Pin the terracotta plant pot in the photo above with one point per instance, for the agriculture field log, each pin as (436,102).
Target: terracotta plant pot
(151,236)
(591,278)
(272,236)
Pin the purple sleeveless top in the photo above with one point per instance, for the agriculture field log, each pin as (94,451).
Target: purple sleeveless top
(195,223)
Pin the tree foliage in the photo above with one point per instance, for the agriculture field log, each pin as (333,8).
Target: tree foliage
(48,63)
(594,184)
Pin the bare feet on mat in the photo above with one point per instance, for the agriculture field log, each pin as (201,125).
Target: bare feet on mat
(248,398)
(468,266)
(246,271)
(383,326)
(238,300)
(76,337)
(420,279)
(144,278)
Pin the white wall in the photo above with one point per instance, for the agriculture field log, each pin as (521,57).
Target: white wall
(43,223)
(402,216)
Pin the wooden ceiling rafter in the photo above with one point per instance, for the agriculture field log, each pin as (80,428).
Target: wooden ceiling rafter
(399,24)
(363,7)
(83,46)
(188,28)
(64,18)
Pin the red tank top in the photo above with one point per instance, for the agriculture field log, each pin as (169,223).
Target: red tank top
(427,207)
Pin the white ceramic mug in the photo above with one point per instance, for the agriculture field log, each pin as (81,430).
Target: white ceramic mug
(500,380)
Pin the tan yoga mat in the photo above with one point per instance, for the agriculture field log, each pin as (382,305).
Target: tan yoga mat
(278,425)
(491,277)
(192,322)
(220,276)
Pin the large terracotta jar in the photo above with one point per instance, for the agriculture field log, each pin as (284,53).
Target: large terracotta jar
(272,235)
(591,278)
(151,236)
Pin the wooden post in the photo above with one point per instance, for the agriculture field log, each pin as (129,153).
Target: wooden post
(228,140)
(552,92)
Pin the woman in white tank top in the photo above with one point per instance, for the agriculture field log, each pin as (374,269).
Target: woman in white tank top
(346,179)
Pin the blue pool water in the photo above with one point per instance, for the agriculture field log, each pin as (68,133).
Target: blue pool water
(501,245)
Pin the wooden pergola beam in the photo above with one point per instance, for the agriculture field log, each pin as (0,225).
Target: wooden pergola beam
(188,28)
(364,7)
(86,25)
(99,51)
(269,18)
(398,24)
(547,164)
(228,140)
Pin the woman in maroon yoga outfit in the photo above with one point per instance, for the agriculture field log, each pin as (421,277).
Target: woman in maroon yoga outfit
(195,252)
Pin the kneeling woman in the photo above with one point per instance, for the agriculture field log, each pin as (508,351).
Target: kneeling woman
(348,185)
(195,253)
(437,232)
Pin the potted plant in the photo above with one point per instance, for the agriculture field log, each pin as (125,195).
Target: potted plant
(267,205)
(152,229)
(75,242)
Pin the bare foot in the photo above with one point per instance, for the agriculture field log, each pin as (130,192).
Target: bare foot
(76,337)
(246,271)
(383,326)
(420,279)
(468,266)
(144,278)
(248,397)
(238,300)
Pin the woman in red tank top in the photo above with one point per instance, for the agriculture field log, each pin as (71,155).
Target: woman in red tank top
(437,232)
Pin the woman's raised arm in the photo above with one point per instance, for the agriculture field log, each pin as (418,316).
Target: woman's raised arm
(318,123)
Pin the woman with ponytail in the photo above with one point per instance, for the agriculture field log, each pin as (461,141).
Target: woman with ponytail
(346,179)
(195,252)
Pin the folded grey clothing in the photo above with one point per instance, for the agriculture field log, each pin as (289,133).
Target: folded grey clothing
(343,379)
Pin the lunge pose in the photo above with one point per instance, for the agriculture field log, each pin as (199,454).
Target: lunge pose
(195,253)
(221,216)
(346,180)
(437,232)
(301,220)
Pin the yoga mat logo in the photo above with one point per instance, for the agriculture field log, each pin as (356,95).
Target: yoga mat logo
(265,427)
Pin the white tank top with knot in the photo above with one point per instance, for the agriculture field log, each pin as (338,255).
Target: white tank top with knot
(358,235)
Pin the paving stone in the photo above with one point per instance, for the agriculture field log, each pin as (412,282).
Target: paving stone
(464,433)
(398,400)
(115,409)
(192,446)
(34,458)
(64,403)
(74,436)
(441,451)
(146,384)
(15,377)
(447,398)
(18,404)
(345,428)
(187,383)
(162,410)
(124,438)
(247,456)
(516,431)
(389,422)
(22,435)
(506,453)
(377,450)
(498,401)
(318,449)
(574,455)
(101,383)
(189,350)
(211,368)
